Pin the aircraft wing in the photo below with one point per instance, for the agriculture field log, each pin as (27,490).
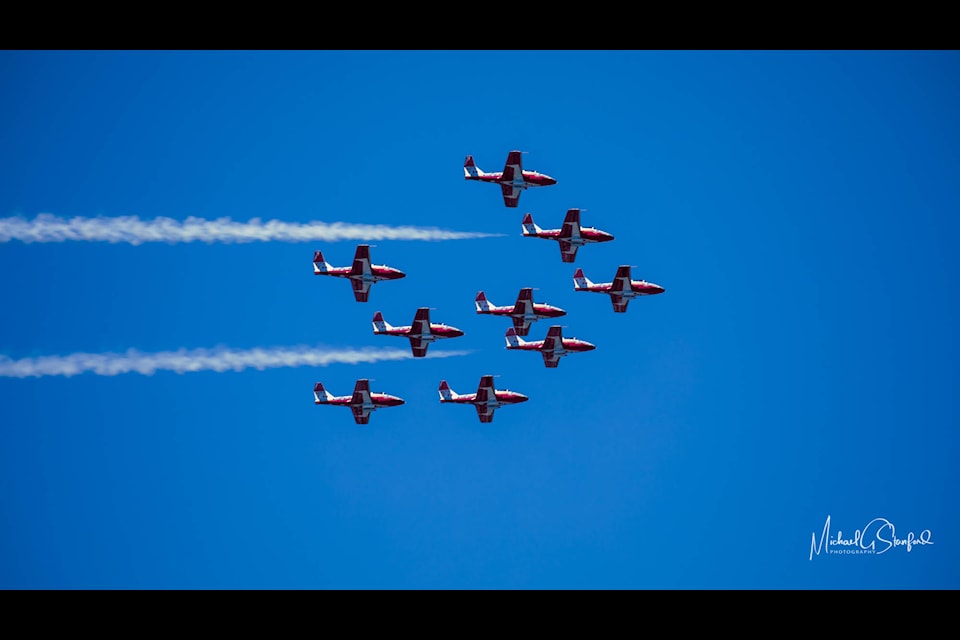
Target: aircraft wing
(513,166)
(361,261)
(361,396)
(418,346)
(521,326)
(619,303)
(571,224)
(511,196)
(568,251)
(421,322)
(524,303)
(621,281)
(485,388)
(361,290)
(550,359)
(361,393)
(553,340)
(484,411)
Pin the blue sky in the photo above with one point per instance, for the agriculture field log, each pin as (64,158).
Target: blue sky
(800,208)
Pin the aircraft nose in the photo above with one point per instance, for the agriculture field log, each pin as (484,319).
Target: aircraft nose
(522,398)
(551,181)
(657,288)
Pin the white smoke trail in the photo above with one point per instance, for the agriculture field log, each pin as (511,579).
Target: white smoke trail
(50,228)
(184,360)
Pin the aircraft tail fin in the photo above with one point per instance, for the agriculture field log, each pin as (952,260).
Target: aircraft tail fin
(470,169)
(580,281)
(321,395)
(319,264)
(482,303)
(446,393)
(379,324)
(513,340)
(530,228)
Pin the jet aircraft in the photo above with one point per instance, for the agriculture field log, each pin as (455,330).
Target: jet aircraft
(621,290)
(362,403)
(512,180)
(523,312)
(486,399)
(552,348)
(421,333)
(571,235)
(361,273)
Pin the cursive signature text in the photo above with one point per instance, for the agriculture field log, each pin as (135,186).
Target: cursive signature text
(879,536)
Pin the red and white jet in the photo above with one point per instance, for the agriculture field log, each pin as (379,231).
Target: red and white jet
(552,348)
(421,333)
(362,402)
(512,180)
(523,312)
(486,399)
(571,235)
(621,290)
(362,274)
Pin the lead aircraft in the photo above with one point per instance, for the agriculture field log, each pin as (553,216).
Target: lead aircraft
(362,273)
(512,180)
(486,399)
(362,403)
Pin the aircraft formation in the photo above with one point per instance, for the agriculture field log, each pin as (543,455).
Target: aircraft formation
(571,236)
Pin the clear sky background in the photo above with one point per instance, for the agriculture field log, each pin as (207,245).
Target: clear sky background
(800,208)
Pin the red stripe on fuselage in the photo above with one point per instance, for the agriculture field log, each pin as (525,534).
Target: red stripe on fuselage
(445,332)
(335,271)
(595,236)
(488,177)
(548,311)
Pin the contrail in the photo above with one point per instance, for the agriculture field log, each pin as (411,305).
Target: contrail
(50,228)
(184,360)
